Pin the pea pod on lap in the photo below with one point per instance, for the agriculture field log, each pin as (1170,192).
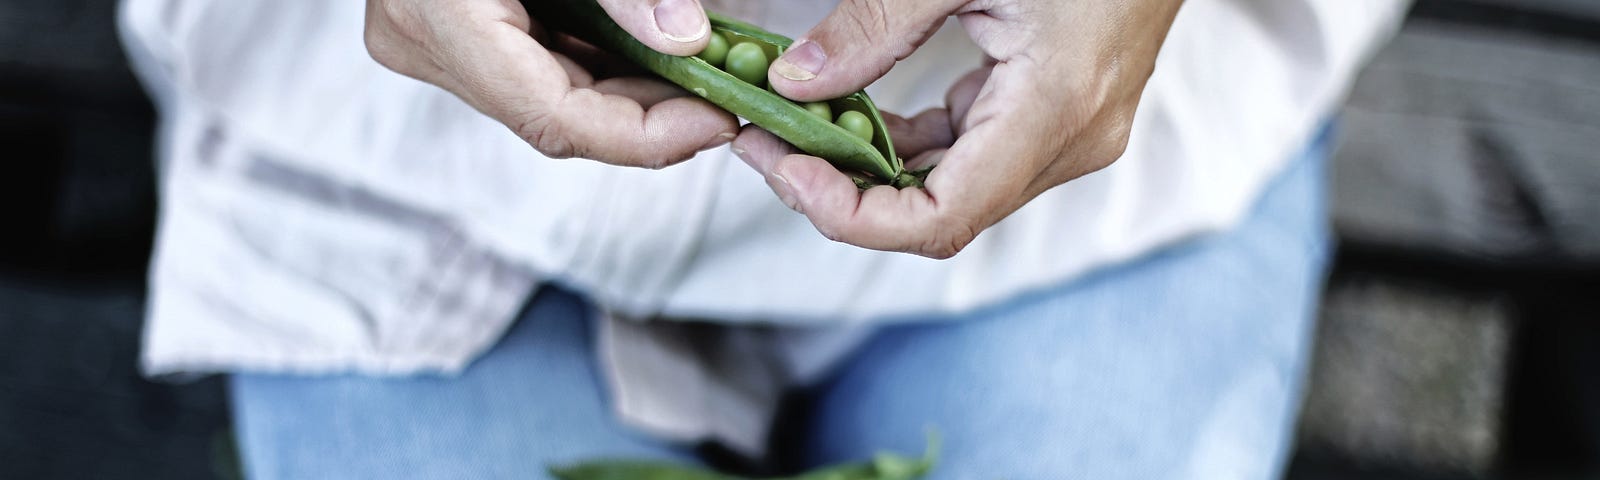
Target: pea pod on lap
(883,466)
(730,79)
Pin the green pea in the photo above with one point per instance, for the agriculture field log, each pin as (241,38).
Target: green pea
(820,109)
(716,51)
(856,123)
(748,62)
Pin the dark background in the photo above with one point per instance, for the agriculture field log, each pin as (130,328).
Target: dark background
(1459,332)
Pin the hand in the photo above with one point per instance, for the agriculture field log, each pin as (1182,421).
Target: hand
(1053,102)
(565,98)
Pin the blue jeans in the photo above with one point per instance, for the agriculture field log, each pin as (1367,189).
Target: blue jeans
(1185,364)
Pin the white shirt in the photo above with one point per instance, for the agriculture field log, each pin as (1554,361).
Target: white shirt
(321,213)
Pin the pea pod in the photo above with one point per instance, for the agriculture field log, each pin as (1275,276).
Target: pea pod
(868,162)
(883,466)
(633,470)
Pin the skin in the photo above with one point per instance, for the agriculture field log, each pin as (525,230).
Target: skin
(1054,101)
(564,98)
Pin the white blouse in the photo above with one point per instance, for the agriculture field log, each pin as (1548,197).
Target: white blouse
(321,213)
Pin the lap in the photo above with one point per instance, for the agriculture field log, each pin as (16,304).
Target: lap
(534,400)
(1185,364)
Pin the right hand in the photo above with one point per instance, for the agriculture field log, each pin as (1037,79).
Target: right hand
(561,96)
(1054,101)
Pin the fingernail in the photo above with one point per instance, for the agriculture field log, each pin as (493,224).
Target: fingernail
(681,20)
(801,62)
(786,192)
(740,152)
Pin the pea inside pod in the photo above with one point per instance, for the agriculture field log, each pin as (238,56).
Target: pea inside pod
(716,51)
(820,109)
(856,123)
(748,62)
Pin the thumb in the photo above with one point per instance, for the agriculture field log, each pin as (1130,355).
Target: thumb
(673,27)
(855,45)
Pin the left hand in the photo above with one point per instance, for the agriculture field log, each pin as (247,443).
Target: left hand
(561,96)
(1055,101)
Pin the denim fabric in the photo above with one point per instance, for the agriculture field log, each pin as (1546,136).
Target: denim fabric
(1184,364)
(1187,364)
(533,400)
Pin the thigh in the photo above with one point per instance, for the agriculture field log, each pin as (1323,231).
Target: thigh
(533,400)
(1186,364)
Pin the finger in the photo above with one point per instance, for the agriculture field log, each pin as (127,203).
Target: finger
(925,159)
(760,149)
(577,76)
(929,130)
(673,27)
(618,130)
(535,97)
(961,95)
(646,91)
(937,221)
(866,219)
(833,203)
(982,178)
(598,63)
(1010,134)
(857,43)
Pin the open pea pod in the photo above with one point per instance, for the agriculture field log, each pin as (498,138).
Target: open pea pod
(868,162)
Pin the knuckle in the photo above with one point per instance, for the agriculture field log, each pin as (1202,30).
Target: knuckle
(381,48)
(397,15)
(392,9)
(545,134)
(948,240)
(1120,135)
(830,231)
(384,9)
(658,162)
(1115,142)
(830,228)
(1114,151)
(652,155)
(680,158)
(484,13)
(387,30)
